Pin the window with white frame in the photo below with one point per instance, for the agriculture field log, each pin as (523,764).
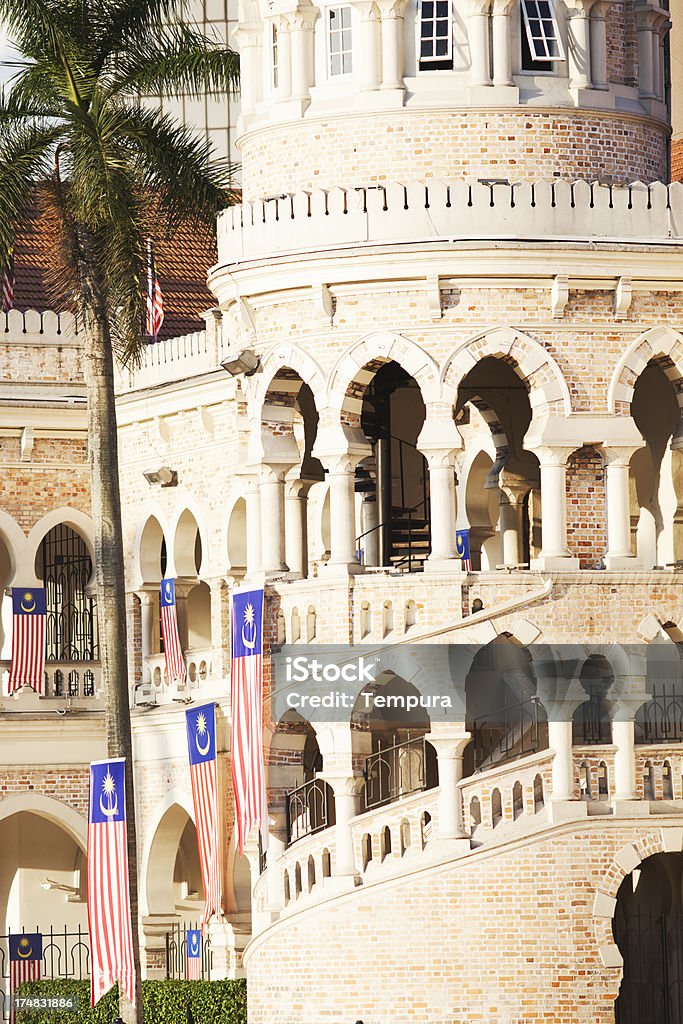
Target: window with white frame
(436,35)
(541,42)
(340,43)
(273,55)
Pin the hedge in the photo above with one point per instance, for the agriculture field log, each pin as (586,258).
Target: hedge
(165,1002)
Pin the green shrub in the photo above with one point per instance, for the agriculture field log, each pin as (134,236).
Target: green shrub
(165,1002)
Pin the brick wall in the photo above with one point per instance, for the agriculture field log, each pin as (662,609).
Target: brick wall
(407,146)
(586,507)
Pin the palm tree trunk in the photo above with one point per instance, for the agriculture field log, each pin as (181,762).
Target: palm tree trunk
(111,593)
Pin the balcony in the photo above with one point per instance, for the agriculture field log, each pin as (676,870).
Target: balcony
(203,678)
(67,685)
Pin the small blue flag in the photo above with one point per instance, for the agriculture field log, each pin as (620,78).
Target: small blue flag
(28,601)
(462,546)
(167,593)
(201,733)
(247,623)
(26,947)
(107,791)
(194,943)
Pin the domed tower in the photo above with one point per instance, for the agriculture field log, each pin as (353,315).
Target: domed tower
(349,94)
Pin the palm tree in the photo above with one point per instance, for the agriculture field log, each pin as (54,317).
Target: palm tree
(77,145)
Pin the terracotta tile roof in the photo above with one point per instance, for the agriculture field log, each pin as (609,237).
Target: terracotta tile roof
(181,269)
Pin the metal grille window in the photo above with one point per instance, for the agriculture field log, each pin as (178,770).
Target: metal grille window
(542,32)
(436,35)
(71,625)
(340,40)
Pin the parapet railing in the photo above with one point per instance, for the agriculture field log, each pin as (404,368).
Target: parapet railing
(436,210)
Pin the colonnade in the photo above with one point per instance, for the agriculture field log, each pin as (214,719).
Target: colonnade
(379,49)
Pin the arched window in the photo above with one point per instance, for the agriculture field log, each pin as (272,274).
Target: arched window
(297,880)
(475,814)
(287,892)
(327,863)
(366,849)
(648,782)
(425,827)
(585,781)
(517,801)
(296,626)
(405,836)
(311,873)
(667,782)
(385,842)
(538,794)
(496,808)
(603,782)
(65,566)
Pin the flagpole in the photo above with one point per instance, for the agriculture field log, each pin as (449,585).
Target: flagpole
(150,290)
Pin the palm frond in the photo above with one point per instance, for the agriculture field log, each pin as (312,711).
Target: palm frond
(26,152)
(179,61)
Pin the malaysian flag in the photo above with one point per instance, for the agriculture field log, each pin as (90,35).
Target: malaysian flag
(193,954)
(109,919)
(201,742)
(462,546)
(8,284)
(28,639)
(25,961)
(155,299)
(173,651)
(246,679)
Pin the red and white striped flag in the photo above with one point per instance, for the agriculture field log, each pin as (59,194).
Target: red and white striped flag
(193,954)
(201,743)
(8,284)
(25,962)
(28,639)
(155,298)
(109,919)
(173,651)
(246,682)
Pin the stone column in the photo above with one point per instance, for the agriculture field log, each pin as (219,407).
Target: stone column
(502,41)
(578,48)
(444,555)
(619,548)
(273,519)
(284,58)
(598,44)
(392,43)
(296,540)
(449,741)
(512,494)
(623,737)
(149,622)
(343,532)
(560,740)
(369,45)
(248,39)
(368,524)
(301,29)
(646,20)
(554,551)
(478,36)
(660,29)
(252,496)
(224,963)
(346,789)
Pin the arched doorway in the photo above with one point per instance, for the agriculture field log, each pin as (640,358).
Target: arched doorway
(396,478)
(648,929)
(174,884)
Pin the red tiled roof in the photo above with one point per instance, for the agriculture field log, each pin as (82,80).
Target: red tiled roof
(181,268)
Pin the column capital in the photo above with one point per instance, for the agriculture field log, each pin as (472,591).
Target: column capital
(392,8)
(274,472)
(473,7)
(552,454)
(368,9)
(620,455)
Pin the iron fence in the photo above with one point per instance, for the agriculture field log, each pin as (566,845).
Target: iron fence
(661,719)
(395,771)
(651,990)
(66,954)
(512,731)
(176,952)
(310,808)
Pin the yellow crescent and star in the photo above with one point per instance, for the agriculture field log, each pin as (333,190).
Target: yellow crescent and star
(109,790)
(201,730)
(249,623)
(24,949)
(168,591)
(460,545)
(28,602)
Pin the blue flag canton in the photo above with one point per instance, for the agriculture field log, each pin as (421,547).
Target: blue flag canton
(193,938)
(167,593)
(107,791)
(247,623)
(201,733)
(462,544)
(26,947)
(28,601)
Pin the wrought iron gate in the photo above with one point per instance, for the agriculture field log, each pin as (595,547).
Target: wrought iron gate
(176,953)
(66,954)
(652,988)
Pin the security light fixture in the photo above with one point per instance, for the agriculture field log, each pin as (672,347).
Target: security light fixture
(247,362)
(49,884)
(164,476)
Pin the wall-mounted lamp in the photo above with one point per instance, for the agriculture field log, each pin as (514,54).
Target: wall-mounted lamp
(247,362)
(50,884)
(164,476)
